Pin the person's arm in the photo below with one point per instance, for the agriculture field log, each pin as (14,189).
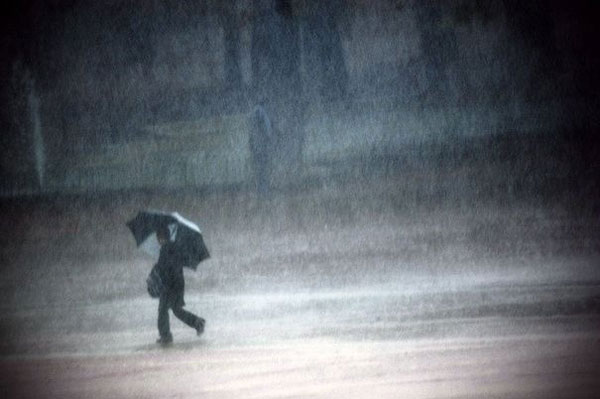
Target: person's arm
(168,264)
(163,265)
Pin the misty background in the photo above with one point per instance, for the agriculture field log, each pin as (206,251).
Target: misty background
(413,144)
(118,95)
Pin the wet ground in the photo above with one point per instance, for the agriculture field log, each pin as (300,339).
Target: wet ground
(498,303)
(490,339)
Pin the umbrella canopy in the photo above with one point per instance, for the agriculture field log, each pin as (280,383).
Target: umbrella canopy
(185,235)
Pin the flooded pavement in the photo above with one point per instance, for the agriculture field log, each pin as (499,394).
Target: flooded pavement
(489,340)
(402,312)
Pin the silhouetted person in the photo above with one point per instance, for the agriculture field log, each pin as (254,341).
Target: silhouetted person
(166,280)
(261,146)
(277,83)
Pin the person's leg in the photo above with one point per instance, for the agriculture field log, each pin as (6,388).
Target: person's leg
(164,329)
(189,318)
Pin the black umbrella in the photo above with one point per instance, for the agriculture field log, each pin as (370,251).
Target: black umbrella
(185,235)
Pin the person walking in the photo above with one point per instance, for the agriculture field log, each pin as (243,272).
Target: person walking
(167,283)
(262,143)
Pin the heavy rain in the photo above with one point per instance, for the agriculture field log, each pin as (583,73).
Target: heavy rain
(400,197)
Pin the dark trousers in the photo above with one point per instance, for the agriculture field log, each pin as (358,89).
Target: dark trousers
(164,304)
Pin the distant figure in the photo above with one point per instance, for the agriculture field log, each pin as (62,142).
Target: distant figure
(166,282)
(261,146)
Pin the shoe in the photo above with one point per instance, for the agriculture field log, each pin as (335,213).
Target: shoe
(165,340)
(200,326)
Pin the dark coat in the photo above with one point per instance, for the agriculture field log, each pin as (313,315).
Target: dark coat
(170,269)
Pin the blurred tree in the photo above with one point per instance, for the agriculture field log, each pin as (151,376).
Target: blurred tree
(438,46)
(275,49)
(322,44)
(229,19)
(532,23)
